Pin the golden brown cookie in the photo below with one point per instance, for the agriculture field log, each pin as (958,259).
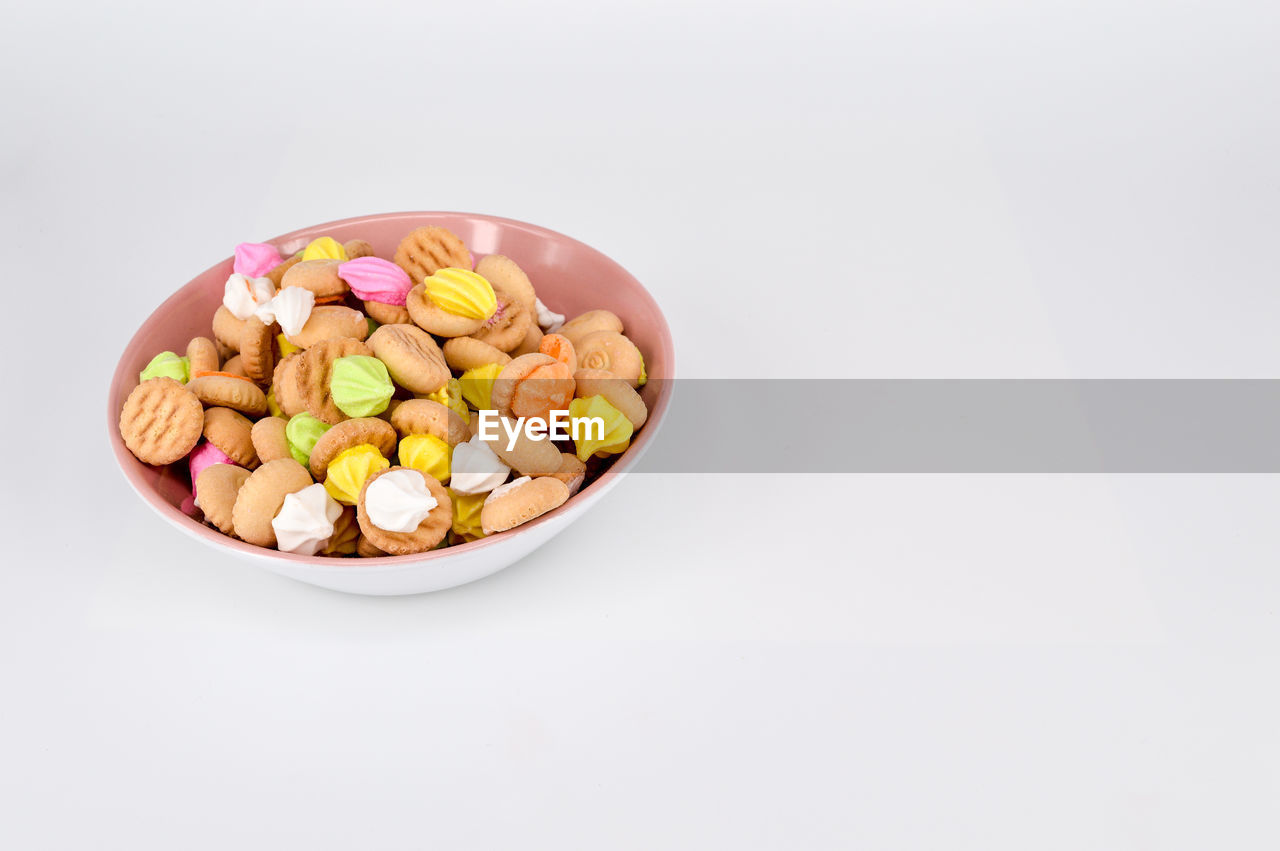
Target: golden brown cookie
(284,384)
(611,351)
(357,248)
(411,356)
(365,547)
(427,249)
(257,354)
(583,324)
(232,433)
(161,421)
(521,501)
(319,276)
(269,439)
(202,354)
(533,385)
(330,322)
(463,353)
(261,497)
(531,342)
(426,315)
(346,434)
(235,366)
(572,472)
(229,391)
(387,314)
(216,490)
(277,273)
(430,531)
(427,416)
(616,391)
(312,374)
(509,324)
(227,329)
(527,456)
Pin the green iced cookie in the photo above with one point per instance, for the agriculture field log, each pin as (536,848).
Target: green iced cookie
(360,386)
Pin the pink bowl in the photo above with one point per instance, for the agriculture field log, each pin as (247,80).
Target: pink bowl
(570,277)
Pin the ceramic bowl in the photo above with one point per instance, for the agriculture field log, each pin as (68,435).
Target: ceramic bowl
(570,277)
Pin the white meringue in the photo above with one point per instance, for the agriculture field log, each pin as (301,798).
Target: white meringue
(243,295)
(398,501)
(305,522)
(548,320)
(291,307)
(475,468)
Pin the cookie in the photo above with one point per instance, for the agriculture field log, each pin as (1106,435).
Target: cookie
(231,432)
(533,385)
(349,433)
(509,324)
(527,456)
(366,549)
(257,356)
(616,391)
(346,533)
(531,342)
(559,347)
(161,421)
(357,248)
(427,249)
(330,322)
(312,374)
(572,472)
(320,276)
(428,316)
(216,488)
(269,440)
(425,416)
(387,314)
(229,391)
(585,323)
(277,273)
(284,386)
(411,356)
(610,350)
(429,532)
(520,501)
(463,353)
(227,329)
(260,498)
(235,367)
(202,354)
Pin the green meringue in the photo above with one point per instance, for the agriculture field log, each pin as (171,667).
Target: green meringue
(167,365)
(302,432)
(360,385)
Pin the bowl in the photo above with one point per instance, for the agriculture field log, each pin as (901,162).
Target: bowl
(570,277)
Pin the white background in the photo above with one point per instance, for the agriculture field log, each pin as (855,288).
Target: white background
(875,189)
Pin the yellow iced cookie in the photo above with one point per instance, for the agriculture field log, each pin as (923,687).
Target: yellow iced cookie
(461,292)
(324,248)
(466,513)
(348,472)
(477,385)
(426,453)
(586,432)
(286,348)
(451,397)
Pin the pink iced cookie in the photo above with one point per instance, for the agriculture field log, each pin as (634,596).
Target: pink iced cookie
(255,259)
(375,279)
(205,455)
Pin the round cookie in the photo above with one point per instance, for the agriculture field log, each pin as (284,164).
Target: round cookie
(345,534)
(463,353)
(269,439)
(202,354)
(161,421)
(411,356)
(521,501)
(320,276)
(277,273)
(585,323)
(559,347)
(261,496)
(235,366)
(427,416)
(527,456)
(572,472)
(330,322)
(347,434)
(430,531)
(387,314)
(427,249)
(531,342)
(610,350)
(365,547)
(616,391)
(227,329)
(357,248)
(509,324)
(284,384)
(257,356)
(217,486)
(232,433)
(312,374)
(229,391)
(428,316)
(533,385)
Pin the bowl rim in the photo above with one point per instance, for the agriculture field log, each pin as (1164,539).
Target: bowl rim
(133,474)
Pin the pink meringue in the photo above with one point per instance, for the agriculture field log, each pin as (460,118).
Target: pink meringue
(375,279)
(205,455)
(254,259)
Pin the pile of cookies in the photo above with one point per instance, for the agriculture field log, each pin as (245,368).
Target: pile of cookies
(336,408)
